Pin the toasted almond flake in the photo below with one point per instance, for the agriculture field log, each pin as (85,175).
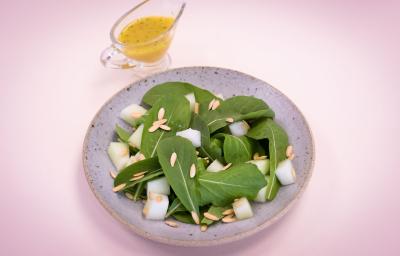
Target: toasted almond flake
(236,199)
(210,105)
(161,113)
(227,166)
(139,174)
(293,173)
(140,157)
(129,195)
(145,211)
(137,177)
(229,120)
(215,105)
(289,151)
(158,198)
(260,157)
(165,127)
(171,223)
(113,174)
(119,187)
(136,115)
(229,219)
(256,155)
(291,157)
(192,172)
(203,228)
(172,160)
(160,122)
(195,217)
(211,216)
(228,212)
(154,128)
(196,107)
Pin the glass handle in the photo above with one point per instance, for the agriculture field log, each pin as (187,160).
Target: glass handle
(112,57)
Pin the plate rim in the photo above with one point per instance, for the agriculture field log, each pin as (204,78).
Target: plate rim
(198,243)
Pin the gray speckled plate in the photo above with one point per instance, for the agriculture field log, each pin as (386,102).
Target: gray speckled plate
(229,83)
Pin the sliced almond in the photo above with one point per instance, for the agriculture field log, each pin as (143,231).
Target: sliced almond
(139,174)
(260,157)
(113,174)
(256,155)
(229,120)
(211,216)
(145,211)
(154,128)
(227,166)
(289,151)
(192,172)
(140,157)
(210,105)
(136,115)
(172,160)
(161,113)
(195,217)
(228,212)
(129,196)
(160,122)
(215,105)
(291,157)
(196,107)
(171,223)
(137,177)
(119,187)
(165,127)
(203,228)
(229,219)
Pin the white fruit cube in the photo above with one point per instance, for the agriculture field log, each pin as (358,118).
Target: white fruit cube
(156,206)
(131,113)
(242,208)
(285,172)
(192,100)
(239,128)
(262,165)
(158,186)
(119,154)
(136,138)
(193,135)
(215,166)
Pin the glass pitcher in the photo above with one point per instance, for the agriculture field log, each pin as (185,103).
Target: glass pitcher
(147,54)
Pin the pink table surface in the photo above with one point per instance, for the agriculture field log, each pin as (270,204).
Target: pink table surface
(339,61)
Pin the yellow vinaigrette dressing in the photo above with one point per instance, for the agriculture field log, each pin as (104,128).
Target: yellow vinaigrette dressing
(142,38)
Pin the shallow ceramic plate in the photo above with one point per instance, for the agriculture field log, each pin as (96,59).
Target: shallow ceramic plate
(229,83)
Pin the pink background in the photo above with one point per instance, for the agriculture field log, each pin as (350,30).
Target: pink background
(338,60)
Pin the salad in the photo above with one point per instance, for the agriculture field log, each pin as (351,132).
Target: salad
(197,158)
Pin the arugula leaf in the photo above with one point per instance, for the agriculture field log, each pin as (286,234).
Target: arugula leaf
(178,175)
(221,188)
(237,149)
(216,211)
(123,134)
(178,115)
(206,149)
(278,142)
(203,97)
(238,108)
(149,165)
(175,206)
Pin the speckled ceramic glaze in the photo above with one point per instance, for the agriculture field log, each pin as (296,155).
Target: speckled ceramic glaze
(229,83)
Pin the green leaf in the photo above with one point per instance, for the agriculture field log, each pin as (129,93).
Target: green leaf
(149,165)
(278,141)
(238,108)
(203,97)
(237,149)
(178,175)
(184,217)
(138,190)
(206,149)
(175,206)
(178,115)
(216,211)
(123,135)
(221,188)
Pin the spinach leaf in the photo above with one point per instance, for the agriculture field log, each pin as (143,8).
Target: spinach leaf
(175,206)
(206,149)
(278,142)
(184,217)
(149,165)
(238,108)
(123,135)
(203,97)
(221,188)
(137,193)
(178,175)
(216,211)
(237,149)
(177,113)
